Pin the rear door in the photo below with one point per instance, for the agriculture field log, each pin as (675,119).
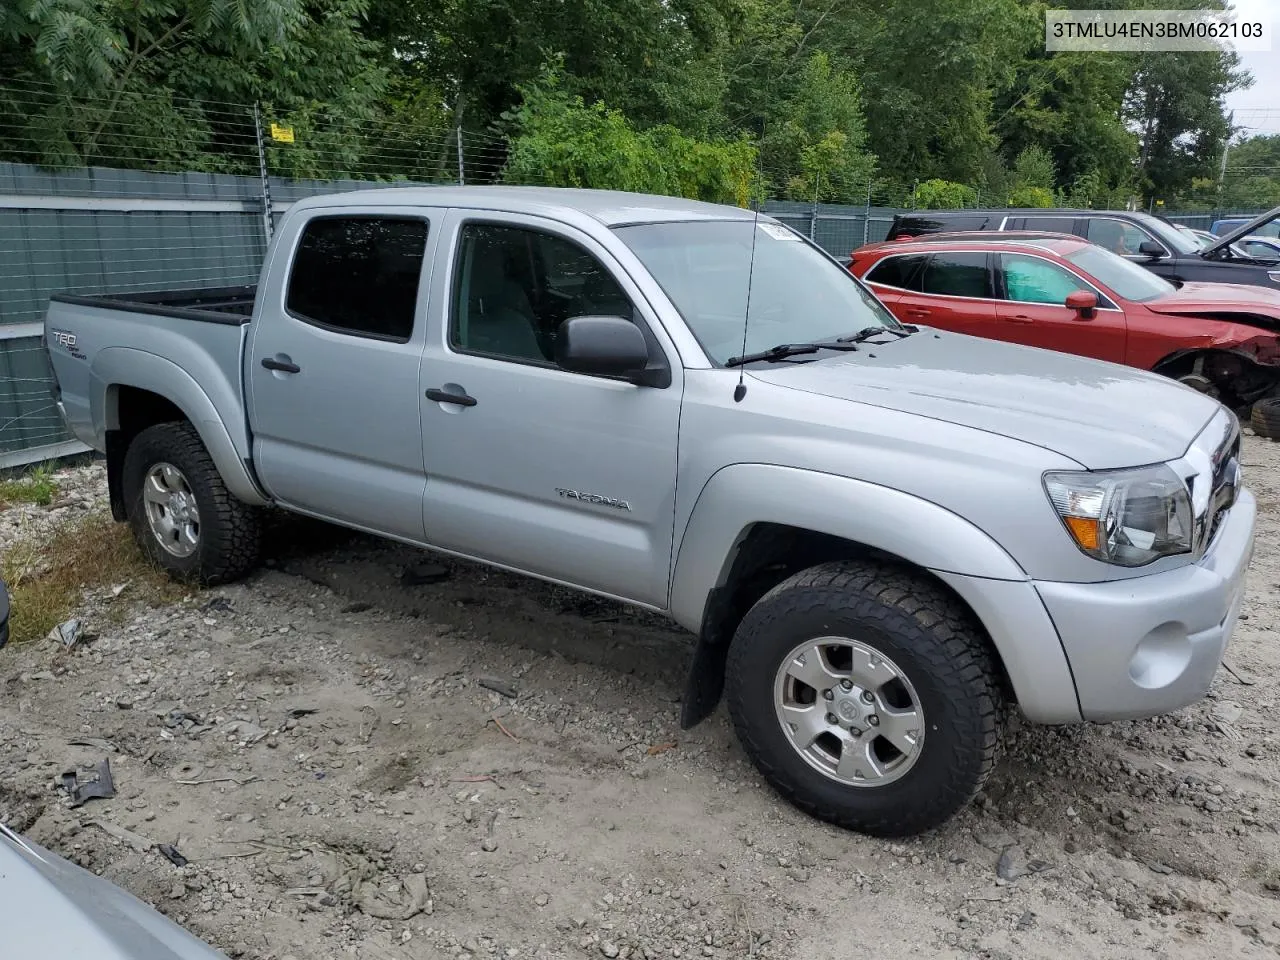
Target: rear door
(954,292)
(1033,309)
(333,368)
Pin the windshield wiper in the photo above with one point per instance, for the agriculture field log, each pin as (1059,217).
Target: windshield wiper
(866,333)
(784,350)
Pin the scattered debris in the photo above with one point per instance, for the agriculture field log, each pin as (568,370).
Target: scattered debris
(250,733)
(170,853)
(660,748)
(67,633)
(504,729)
(102,787)
(1226,665)
(1008,870)
(497,686)
(490,843)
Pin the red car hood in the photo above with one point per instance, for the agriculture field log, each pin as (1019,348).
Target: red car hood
(1219,298)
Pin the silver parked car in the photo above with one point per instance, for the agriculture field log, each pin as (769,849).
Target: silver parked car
(49,907)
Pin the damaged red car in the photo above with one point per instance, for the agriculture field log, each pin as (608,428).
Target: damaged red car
(1065,293)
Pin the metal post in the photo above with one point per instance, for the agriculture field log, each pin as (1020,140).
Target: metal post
(1222,170)
(461,171)
(268,223)
(813,220)
(866,216)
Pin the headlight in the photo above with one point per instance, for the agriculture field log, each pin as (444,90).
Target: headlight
(1126,517)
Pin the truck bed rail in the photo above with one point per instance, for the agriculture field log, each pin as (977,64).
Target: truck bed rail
(227,305)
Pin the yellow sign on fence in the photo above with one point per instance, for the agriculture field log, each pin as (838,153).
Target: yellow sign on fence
(282,134)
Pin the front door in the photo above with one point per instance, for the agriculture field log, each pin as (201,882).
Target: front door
(558,474)
(333,370)
(1034,311)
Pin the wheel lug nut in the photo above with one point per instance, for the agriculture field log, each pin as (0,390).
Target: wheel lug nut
(846,684)
(873,720)
(828,695)
(855,732)
(832,718)
(867,696)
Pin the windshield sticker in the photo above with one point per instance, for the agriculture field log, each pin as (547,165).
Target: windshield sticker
(778,232)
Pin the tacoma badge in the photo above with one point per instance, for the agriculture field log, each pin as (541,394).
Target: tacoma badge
(593,498)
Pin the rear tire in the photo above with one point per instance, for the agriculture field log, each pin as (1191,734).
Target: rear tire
(182,515)
(910,715)
(1264,418)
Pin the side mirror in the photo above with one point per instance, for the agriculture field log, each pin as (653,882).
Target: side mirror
(1149,248)
(1083,302)
(605,346)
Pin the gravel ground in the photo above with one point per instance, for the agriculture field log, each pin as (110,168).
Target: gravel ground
(358,766)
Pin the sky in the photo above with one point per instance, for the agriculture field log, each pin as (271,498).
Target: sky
(1258,108)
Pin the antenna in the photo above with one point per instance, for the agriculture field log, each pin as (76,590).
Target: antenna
(740,390)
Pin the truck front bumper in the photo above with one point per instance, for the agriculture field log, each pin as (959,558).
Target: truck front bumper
(1148,645)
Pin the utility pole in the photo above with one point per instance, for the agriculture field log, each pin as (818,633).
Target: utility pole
(1222,170)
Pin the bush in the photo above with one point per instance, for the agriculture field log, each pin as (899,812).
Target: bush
(944,195)
(1025,196)
(560,141)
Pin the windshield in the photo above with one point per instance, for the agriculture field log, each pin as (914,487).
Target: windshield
(1124,277)
(1172,237)
(798,294)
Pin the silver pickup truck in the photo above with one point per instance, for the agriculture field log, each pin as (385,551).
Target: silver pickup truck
(881,535)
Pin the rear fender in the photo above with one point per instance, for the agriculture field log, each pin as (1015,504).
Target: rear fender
(118,367)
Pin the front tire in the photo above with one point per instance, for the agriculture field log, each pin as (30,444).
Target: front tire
(182,515)
(867,696)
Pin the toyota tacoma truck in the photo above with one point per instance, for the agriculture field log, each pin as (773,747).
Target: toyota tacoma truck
(882,536)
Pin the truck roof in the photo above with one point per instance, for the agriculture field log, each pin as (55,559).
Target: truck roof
(613,208)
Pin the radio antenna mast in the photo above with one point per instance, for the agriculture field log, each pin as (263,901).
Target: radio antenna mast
(740,390)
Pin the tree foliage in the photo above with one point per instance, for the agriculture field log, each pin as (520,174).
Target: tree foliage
(833,97)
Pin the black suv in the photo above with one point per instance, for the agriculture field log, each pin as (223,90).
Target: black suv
(1155,243)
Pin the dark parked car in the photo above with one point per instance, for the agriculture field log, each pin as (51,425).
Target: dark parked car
(1151,241)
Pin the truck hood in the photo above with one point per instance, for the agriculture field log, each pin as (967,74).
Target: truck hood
(1219,298)
(1101,415)
(49,907)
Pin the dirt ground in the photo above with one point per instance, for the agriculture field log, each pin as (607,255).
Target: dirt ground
(482,766)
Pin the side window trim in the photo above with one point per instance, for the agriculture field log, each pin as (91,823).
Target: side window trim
(1104,302)
(362,214)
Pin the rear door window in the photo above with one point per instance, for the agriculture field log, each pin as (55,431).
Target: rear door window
(901,272)
(960,274)
(1047,224)
(921,225)
(358,275)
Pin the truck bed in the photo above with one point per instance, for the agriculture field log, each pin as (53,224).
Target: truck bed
(227,305)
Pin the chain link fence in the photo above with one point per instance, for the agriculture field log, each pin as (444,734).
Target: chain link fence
(192,202)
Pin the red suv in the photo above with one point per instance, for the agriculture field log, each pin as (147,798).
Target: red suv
(1064,293)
